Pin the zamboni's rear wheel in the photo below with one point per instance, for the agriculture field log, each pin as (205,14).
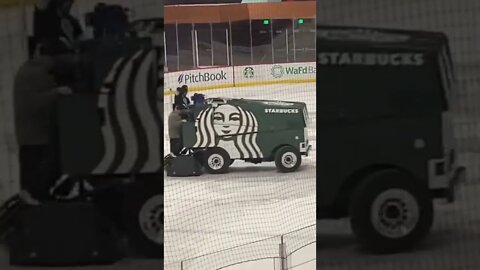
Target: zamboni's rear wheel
(390,212)
(144,216)
(287,159)
(216,160)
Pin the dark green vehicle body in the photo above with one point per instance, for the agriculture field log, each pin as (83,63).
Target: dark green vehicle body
(259,126)
(383,102)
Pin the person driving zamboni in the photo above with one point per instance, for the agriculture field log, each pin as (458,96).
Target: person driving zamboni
(175,120)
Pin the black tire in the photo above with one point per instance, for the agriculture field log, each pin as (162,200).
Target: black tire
(139,216)
(379,201)
(287,159)
(216,160)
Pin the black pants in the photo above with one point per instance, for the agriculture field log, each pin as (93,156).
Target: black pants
(176,146)
(39,169)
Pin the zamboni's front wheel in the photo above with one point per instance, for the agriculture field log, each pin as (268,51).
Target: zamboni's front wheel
(216,160)
(390,212)
(144,217)
(287,159)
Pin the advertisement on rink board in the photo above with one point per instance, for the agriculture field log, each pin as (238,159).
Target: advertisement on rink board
(276,72)
(199,78)
(238,76)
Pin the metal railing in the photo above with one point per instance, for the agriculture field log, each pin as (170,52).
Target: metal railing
(293,250)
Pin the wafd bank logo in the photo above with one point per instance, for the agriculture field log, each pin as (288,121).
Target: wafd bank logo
(197,77)
(279,71)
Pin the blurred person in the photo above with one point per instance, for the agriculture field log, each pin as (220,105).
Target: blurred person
(52,20)
(181,97)
(36,91)
(175,120)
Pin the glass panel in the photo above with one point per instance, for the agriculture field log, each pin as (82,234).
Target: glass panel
(280,43)
(171,47)
(241,43)
(204,42)
(262,42)
(305,37)
(219,37)
(185,46)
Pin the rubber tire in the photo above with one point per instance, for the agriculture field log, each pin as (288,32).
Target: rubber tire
(137,194)
(363,198)
(219,151)
(278,158)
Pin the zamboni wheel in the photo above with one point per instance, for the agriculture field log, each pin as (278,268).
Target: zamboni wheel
(287,159)
(144,216)
(216,160)
(390,212)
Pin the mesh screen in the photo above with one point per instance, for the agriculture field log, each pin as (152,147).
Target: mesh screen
(454,240)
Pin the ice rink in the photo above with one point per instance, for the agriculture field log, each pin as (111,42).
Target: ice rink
(211,214)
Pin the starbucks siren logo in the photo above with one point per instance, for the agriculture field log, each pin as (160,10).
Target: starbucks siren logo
(277,71)
(248,72)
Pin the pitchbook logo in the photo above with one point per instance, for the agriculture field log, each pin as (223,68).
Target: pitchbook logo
(201,77)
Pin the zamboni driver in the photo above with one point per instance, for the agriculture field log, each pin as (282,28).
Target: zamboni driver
(175,120)
(38,85)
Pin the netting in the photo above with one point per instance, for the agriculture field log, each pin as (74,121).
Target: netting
(460,21)
(235,220)
(298,253)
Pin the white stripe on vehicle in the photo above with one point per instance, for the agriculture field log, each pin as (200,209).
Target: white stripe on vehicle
(148,121)
(254,135)
(124,120)
(242,130)
(107,129)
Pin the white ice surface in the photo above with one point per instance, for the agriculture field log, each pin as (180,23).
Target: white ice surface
(211,213)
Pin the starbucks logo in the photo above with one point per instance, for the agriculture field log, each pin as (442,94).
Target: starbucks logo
(277,71)
(248,72)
